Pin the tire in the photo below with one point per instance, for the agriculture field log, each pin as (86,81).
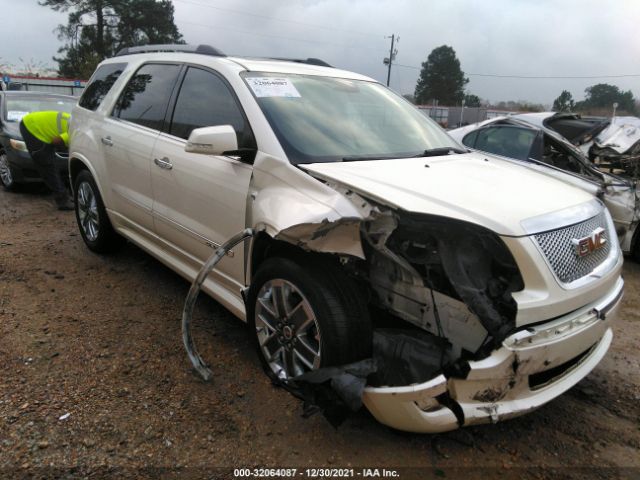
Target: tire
(93,222)
(6,174)
(635,246)
(322,319)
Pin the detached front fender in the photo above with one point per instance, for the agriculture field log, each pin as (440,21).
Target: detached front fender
(290,205)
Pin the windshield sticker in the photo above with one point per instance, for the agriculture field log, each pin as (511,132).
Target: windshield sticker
(15,115)
(272,87)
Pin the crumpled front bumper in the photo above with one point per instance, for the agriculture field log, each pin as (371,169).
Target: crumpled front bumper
(532,367)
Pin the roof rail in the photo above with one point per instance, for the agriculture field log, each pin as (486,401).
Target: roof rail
(201,49)
(309,61)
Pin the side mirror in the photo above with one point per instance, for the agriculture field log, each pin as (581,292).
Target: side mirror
(212,140)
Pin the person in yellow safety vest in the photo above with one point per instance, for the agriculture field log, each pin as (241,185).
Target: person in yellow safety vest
(42,132)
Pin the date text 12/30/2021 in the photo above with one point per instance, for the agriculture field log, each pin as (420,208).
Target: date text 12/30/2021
(315,473)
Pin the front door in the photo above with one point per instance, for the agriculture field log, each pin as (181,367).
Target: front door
(200,200)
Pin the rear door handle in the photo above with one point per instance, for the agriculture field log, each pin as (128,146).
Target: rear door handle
(107,141)
(163,163)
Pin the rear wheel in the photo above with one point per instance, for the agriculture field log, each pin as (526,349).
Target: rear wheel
(306,315)
(6,175)
(93,222)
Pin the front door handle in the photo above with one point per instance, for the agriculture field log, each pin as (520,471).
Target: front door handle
(163,163)
(107,141)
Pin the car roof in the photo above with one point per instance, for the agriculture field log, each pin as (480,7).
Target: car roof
(460,132)
(239,64)
(536,118)
(512,120)
(288,66)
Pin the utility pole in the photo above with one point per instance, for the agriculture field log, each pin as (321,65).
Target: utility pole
(392,56)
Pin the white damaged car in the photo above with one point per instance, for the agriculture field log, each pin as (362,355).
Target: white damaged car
(613,143)
(619,145)
(480,289)
(538,147)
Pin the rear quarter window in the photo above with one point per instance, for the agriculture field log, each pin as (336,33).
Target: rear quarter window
(100,84)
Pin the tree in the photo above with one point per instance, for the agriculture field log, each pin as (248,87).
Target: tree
(564,102)
(520,106)
(409,97)
(441,78)
(97,29)
(603,96)
(471,100)
(144,22)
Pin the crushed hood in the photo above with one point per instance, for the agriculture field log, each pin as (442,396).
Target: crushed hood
(473,187)
(620,135)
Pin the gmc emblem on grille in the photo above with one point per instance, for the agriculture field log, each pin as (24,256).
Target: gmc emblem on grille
(586,245)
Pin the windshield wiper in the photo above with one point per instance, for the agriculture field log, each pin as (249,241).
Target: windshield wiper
(432,152)
(360,158)
(436,152)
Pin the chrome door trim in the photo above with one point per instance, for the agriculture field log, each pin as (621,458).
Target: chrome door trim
(201,238)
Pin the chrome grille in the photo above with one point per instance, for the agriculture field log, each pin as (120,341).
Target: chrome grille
(559,250)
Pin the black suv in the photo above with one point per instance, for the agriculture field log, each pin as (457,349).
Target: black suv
(16,165)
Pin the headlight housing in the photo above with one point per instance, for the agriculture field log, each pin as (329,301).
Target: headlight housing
(18,145)
(464,261)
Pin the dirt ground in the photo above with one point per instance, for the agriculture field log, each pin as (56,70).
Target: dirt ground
(94,382)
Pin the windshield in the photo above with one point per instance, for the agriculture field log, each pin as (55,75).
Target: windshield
(19,106)
(322,119)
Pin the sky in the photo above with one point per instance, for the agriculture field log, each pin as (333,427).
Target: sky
(523,38)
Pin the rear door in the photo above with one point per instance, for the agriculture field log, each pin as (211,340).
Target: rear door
(200,200)
(129,136)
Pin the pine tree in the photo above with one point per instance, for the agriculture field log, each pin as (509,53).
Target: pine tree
(564,102)
(471,100)
(441,78)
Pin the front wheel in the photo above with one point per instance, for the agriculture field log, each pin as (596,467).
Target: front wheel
(635,246)
(305,315)
(6,175)
(93,222)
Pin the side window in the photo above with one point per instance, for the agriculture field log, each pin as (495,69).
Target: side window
(470,139)
(145,98)
(205,101)
(100,84)
(512,142)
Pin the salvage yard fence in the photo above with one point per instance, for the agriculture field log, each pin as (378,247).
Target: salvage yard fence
(453,117)
(64,86)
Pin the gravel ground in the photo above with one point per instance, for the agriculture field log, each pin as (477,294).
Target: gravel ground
(95,382)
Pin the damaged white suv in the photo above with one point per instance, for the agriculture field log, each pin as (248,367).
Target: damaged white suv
(482,289)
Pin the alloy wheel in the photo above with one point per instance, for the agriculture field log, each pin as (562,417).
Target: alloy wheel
(5,171)
(287,329)
(88,211)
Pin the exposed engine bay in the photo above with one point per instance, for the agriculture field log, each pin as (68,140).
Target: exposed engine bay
(440,293)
